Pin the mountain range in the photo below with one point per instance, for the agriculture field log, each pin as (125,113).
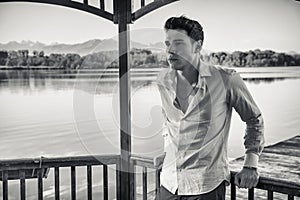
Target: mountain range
(88,47)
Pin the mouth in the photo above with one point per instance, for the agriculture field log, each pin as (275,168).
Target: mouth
(172,60)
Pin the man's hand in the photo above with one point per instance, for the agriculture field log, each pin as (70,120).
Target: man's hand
(246,178)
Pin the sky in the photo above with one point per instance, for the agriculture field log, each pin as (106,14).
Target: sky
(228,24)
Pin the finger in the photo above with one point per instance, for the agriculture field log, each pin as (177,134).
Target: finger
(243,182)
(250,183)
(237,180)
(256,182)
(247,184)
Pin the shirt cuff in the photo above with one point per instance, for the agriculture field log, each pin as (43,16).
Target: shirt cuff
(251,160)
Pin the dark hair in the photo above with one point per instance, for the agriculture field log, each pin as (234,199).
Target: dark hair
(192,27)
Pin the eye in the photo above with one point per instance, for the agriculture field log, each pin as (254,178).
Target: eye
(167,43)
(179,43)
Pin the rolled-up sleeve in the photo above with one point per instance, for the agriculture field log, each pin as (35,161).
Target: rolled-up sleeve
(240,99)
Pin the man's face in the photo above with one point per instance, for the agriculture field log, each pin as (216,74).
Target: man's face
(179,48)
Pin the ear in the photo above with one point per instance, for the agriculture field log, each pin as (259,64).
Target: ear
(197,46)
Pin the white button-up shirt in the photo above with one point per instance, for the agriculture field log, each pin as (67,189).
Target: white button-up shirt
(196,140)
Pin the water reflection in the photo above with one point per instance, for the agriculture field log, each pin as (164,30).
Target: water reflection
(265,80)
(93,81)
(37,107)
(97,81)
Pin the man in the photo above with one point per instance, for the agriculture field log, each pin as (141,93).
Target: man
(197,101)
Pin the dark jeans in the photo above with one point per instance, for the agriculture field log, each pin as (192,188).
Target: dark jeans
(216,194)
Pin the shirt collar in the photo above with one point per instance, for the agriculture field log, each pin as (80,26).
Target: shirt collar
(170,79)
(204,69)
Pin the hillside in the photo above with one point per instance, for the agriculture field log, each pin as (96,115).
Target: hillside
(85,48)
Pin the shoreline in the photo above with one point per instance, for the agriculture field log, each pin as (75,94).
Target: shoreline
(150,73)
(4,67)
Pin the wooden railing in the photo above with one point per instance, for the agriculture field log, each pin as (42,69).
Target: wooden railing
(23,169)
(268,184)
(271,186)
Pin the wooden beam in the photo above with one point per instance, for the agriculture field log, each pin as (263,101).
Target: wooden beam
(270,195)
(145,183)
(22,185)
(150,7)
(89,182)
(40,183)
(4,185)
(73,183)
(71,4)
(102,5)
(56,183)
(233,188)
(31,163)
(251,194)
(105,183)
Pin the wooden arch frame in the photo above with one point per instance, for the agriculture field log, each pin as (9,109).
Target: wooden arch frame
(101,12)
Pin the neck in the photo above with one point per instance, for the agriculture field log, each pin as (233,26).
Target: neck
(191,72)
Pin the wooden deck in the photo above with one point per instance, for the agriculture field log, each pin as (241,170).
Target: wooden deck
(280,161)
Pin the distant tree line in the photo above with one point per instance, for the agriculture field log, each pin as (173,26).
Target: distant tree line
(256,58)
(137,58)
(141,58)
(21,58)
(106,59)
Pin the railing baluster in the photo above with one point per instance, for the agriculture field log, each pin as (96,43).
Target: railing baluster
(118,181)
(270,195)
(73,183)
(22,184)
(89,182)
(118,174)
(56,174)
(144,183)
(40,183)
(105,183)
(132,182)
(142,3)
(251,194)
(157,181)
(233,189)
(102,5)
(85,2)
(290,197)
(5,184)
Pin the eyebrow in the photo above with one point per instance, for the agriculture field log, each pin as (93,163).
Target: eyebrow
(177,40)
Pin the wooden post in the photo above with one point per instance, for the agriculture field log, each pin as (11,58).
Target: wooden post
(123,9)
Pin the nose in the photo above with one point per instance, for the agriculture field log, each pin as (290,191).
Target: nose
(170,49)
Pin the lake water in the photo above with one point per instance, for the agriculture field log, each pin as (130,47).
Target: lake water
(67,113)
